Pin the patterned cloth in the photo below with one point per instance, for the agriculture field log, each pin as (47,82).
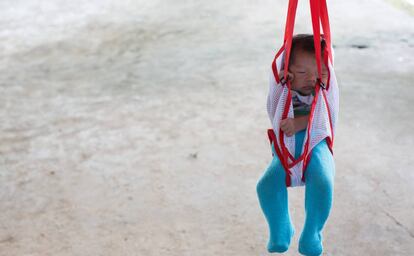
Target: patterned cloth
(301,104)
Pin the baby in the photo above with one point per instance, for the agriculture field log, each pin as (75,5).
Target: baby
(319,175)
(302,73)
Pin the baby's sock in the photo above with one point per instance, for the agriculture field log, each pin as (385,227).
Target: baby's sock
(272,193)
(319,178)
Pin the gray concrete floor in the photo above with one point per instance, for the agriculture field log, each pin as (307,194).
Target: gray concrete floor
(139,127)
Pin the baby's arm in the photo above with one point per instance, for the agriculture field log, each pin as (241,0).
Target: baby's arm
(290,126)
(301,122)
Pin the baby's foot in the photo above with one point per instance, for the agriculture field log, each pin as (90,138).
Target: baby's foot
(281,241)
(311,245)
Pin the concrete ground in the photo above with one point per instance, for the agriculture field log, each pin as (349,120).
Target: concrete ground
(139,127)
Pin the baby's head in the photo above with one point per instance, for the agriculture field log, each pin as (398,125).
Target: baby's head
(303,70)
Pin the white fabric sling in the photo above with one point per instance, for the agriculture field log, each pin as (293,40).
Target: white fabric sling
(322,120)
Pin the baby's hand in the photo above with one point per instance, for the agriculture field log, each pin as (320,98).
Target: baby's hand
(289,75)
(288,126)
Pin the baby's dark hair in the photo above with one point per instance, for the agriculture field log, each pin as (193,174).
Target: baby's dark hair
(304,42)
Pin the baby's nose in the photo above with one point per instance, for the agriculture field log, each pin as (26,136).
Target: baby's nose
(313,77)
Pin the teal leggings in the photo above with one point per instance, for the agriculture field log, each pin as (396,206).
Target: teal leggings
(273,197)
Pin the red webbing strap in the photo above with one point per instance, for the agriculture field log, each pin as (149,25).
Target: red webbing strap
(315,14)
(306,149)
(274,66)
(290,20)
(272,138)
(330,121)
(283,152)
(328,139)
(290,17)
(327,56)
(326,27)
(290,24)
(310,122)
(318,13)
(326,62)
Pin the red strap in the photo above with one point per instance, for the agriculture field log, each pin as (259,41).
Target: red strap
(290,18)
(329,117)
(325,60)
(315,13)
(326,27)
(274,66)
(272,138)
(290,24)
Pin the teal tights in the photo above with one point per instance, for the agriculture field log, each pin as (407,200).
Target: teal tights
(273,198)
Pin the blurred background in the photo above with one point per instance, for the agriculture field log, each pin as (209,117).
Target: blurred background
(139,127)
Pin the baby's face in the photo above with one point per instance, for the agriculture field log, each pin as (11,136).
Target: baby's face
(305,72)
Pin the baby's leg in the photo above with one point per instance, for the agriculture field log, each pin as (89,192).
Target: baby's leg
(273,196)
(319,178)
